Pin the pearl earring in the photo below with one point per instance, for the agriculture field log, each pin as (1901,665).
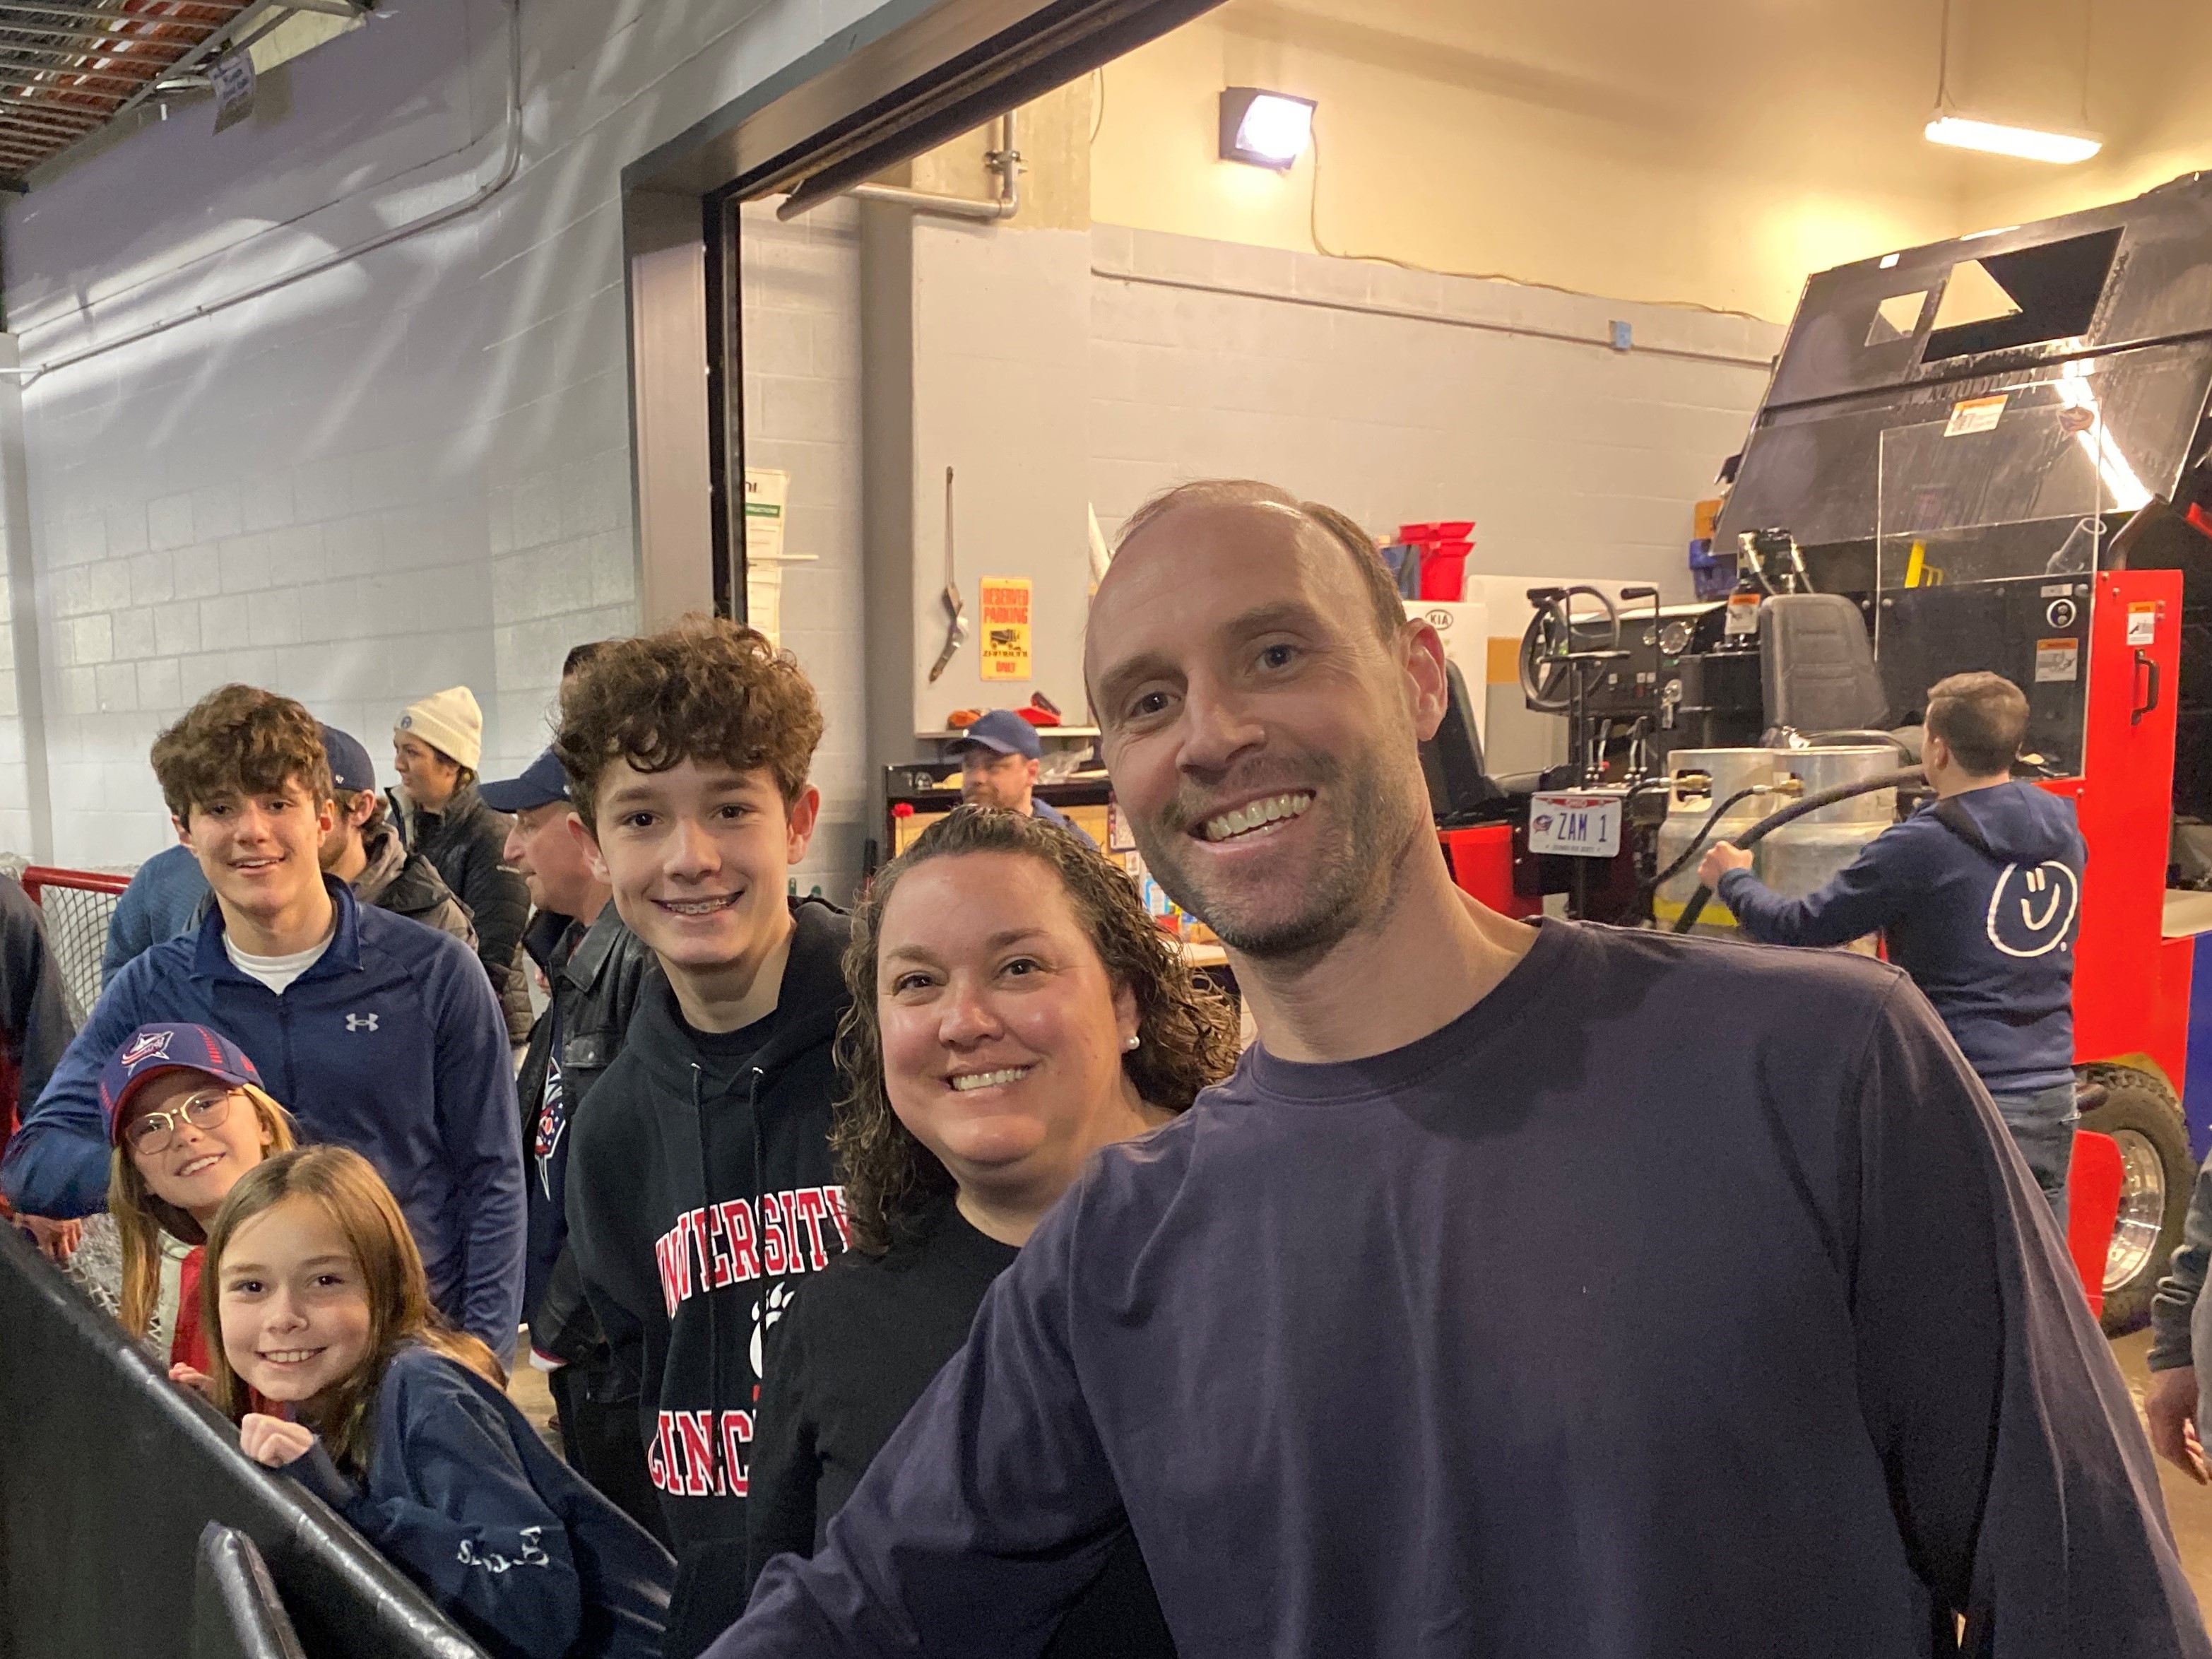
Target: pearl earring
(1134,1040)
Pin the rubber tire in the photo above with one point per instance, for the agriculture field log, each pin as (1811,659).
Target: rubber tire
(2139,1101)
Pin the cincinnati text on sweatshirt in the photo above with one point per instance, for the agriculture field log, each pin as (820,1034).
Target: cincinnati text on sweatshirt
(692,1208)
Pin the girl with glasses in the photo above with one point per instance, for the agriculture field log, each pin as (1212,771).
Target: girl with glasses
(186,1117)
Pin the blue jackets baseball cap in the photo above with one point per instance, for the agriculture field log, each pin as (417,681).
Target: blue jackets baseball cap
(1005,731)
(542,783)
(154,1049)
(351,769)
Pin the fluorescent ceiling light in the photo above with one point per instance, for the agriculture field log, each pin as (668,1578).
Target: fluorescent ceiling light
(2029,143)
(1265,128)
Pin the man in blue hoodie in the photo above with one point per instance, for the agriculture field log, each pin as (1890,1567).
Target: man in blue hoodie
(377,1032)
(1978,894)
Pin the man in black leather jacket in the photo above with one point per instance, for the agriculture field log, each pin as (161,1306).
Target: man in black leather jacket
(594,968)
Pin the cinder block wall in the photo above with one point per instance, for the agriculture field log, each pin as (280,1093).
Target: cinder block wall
(411,471)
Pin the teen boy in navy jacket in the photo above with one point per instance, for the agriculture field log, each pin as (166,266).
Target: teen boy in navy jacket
(1977,894)
(377,1032)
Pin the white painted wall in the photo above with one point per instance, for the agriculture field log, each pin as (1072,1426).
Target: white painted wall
(411,471)
(1570,456)
(800,287)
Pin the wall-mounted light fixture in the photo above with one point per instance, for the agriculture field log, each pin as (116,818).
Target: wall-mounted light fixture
(1265,128)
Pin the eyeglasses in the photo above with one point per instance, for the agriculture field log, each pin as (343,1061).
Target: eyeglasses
(153,1132)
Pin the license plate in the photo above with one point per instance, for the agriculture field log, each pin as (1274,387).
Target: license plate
(1580,826)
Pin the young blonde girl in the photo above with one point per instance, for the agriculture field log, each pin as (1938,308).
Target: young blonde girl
(401,1423)
(186,1117)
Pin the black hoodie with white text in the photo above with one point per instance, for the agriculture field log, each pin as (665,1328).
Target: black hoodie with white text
(697,1189)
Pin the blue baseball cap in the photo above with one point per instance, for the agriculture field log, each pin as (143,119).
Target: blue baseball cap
(1005,731)
(154,1049)
(351,769)
(542,783)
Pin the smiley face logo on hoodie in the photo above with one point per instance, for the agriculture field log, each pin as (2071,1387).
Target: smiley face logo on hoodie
(2032,910)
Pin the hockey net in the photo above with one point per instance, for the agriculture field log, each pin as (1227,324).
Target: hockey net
(77,905)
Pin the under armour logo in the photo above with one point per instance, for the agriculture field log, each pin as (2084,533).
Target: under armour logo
(360,1022)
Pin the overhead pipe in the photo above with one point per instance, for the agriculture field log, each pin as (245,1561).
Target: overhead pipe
(1006,161)
(476,198)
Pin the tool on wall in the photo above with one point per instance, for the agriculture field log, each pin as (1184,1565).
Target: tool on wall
(956,629)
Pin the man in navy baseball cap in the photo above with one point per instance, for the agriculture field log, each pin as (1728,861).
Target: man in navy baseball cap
(540,784)
(999,757)
(593,968)
(363,851)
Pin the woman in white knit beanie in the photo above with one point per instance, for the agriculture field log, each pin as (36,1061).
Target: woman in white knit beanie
(437,744)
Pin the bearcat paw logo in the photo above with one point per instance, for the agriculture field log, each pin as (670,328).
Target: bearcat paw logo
(766,1312)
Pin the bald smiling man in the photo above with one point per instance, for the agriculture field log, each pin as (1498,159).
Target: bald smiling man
(1551,1292)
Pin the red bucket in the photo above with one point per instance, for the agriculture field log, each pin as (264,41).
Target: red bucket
(1443,570)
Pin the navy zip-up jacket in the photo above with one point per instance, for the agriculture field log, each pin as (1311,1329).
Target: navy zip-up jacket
(1986,931)
(391,1044)
(464,1498)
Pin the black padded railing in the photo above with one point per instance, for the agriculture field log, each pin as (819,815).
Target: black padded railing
(109,1476)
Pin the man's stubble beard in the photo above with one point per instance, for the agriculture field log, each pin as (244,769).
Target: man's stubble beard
(1348,886)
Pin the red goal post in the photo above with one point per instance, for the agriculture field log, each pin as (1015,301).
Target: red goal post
(77,905)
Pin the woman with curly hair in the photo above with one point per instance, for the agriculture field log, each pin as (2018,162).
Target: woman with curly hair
(1014,1010)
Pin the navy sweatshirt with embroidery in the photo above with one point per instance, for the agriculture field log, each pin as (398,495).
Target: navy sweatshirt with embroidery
(463,1497)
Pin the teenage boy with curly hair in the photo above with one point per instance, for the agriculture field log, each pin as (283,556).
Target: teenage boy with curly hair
(378,1032)
(700,1177)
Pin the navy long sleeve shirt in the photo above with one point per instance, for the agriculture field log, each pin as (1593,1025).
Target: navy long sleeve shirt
(1678,1298)
(1986,932)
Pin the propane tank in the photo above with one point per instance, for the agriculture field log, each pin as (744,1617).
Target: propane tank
(1803,857)
(1697,780)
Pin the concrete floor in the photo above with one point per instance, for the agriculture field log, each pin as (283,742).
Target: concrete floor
(2188,1505)
(525,1386)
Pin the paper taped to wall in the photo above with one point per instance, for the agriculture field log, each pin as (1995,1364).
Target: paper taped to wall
(1005,601)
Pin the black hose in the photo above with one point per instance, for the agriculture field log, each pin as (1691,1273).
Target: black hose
(1790,814)
(1698,840)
